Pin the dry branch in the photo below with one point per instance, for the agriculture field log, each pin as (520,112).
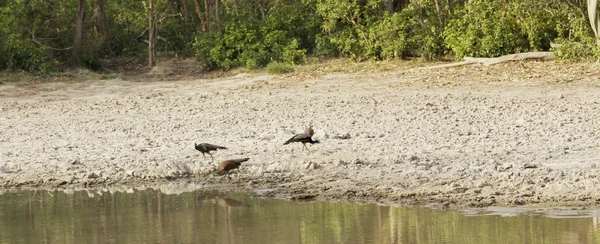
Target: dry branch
(497,60)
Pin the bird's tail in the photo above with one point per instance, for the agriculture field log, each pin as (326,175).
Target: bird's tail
(220,147)
(290,140)
(315,141)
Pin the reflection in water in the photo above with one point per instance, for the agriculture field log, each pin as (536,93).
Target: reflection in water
(151,216)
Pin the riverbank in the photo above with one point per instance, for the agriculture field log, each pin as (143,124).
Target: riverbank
(511,134)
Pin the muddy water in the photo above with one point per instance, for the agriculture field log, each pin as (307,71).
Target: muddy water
(150,216)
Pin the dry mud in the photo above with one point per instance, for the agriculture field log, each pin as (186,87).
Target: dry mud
(511,134)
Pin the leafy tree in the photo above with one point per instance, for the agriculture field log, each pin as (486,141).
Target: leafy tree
(256,33)
(487,28)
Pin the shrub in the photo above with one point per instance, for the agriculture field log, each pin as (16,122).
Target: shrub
(24,55)
(486,29)
(585,50)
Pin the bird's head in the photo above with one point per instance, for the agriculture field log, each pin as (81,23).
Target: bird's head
(217,172)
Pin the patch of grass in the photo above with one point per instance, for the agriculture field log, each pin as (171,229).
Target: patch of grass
(342,65)
(12,78)
(108,76)
(279,68)
(16,76)
(85,74)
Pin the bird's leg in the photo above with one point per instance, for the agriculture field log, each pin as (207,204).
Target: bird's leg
(304,144)
(211,156)
(203,155)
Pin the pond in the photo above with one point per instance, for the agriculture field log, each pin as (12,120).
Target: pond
(212,216)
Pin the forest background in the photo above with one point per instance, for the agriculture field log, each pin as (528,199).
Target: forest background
(44,36)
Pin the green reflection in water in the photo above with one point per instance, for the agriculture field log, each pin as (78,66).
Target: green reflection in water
(149,216)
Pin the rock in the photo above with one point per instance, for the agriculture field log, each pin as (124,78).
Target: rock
(459,190)
(256,170)
(504,167)
(302,197)
(530,166)
(310,165)
(340,163)
(287,158)
(342,137)
(93,175)
(274,167)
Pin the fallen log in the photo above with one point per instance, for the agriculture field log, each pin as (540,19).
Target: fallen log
(497,60)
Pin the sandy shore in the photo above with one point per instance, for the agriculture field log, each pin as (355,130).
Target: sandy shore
(514,134)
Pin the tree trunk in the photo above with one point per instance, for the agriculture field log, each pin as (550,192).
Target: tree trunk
(150,35)
(401,4)
(186,13)
(217,18)
(594,20)
(177,5)
(389,6)
(103,27)
(200,16)
(206,23)
(75,60)
(439,13)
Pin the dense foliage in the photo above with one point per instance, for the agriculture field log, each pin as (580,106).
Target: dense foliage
(35,35)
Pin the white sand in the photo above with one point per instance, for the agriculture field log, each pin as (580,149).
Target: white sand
(469,136)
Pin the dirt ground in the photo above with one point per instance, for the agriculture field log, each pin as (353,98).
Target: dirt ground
(520,133)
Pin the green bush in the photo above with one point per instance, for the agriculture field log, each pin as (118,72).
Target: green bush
(324,47)
(543,21)
(424,30)
(24,55)
(391,36)
(293,54)
(485,29)
(364,30)
(20,23)
(177,39)
(404,34)
(221,57)
(253,42)
(585,50)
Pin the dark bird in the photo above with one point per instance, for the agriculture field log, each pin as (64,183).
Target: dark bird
(302,137)
(206,148)
(230,164)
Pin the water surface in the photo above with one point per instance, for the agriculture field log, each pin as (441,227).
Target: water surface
(207,216)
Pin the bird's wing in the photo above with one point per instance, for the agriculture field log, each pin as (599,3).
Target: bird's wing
(302,136)
(298,138)
(212,146)
(232,164)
